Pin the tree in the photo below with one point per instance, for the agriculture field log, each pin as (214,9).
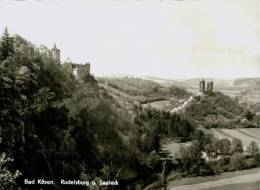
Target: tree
(224,146)
(211,150)
(236,145)
(237,161)
(164,175)
(6,45)
(191,158)
(249,115)
(252,149)
(183,155)
(204,138)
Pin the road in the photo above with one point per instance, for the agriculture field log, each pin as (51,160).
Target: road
(248,178)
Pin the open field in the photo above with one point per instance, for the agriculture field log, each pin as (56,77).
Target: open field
(160,105)
(245,134)
(173,147)
(225,181)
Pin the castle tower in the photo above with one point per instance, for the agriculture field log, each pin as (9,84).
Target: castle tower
(84,71)
(202,86)
(210,87)
(55,54)
(80,71)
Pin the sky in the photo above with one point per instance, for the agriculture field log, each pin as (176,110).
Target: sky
(160,38)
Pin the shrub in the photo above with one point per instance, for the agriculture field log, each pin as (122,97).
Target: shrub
(237,161)
(7,178)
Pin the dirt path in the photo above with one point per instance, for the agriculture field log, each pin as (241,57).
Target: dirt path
(182,107)
(221,182)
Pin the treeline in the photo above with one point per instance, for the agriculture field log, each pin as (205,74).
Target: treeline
(175,126)
(208,155)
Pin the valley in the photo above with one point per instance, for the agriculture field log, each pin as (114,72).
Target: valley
(224,114)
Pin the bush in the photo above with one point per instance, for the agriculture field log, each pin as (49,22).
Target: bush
(250,163)
(7,178)
(224,146)
(237,161)
(236,146)
(252,149)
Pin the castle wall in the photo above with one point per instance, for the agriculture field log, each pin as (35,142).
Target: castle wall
(80,71)
(24,47)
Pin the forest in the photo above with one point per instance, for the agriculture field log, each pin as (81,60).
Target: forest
(50,128)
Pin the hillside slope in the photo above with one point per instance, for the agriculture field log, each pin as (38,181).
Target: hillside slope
(216,110)
(141,90)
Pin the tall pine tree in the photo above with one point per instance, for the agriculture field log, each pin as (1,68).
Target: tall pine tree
(6,45)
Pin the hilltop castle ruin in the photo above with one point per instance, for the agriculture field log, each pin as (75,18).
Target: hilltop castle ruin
(206,88)
(79,70)
(25,47)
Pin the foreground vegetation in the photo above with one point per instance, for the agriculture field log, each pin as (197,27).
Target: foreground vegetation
(53,127)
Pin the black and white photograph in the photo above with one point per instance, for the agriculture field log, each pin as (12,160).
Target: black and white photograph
(130,94)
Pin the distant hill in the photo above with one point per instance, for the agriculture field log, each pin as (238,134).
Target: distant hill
(216,104)
(142,90)
(218,83)
(248,82)
(163,81)
(246,89)
(216,110)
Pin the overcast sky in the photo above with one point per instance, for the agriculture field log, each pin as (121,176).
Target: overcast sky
(167,38)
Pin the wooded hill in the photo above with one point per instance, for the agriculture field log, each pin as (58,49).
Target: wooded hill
(219,110)
(214,110)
